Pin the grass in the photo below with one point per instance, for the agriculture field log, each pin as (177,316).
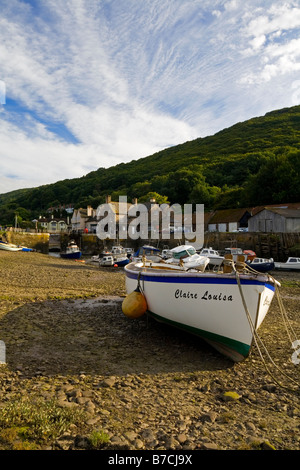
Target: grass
(290,283)
(98,438)
(27,424)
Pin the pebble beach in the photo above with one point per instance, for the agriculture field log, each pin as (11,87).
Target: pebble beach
(120,384)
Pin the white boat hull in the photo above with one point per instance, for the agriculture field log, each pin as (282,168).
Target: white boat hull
(207,304)
(9,247)
(287,266)
(215,260)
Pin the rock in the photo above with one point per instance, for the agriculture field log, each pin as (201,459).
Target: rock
(231,396)
(267,446)
(138,444)
(130,436)
(209,446)
(81,442)
(181,438)
(109,382)
(210,416)
(92,421)
(76,392)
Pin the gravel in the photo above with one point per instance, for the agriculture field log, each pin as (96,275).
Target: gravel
(144,385)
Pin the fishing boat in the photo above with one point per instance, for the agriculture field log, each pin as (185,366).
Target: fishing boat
(224,308)
(292,263)
(9,246)
(215,258)
(263,265)
(120,255)
(186,255)
(72,251)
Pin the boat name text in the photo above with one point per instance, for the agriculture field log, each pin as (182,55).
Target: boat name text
(180,294)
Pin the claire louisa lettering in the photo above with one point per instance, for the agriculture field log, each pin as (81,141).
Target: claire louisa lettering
(181,294)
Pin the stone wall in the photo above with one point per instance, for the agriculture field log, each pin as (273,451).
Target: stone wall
(269,245)
(37,241)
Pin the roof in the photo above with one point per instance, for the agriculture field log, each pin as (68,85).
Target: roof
(288,205)
(287,213)
(229,215)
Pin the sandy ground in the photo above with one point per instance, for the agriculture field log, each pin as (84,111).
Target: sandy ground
(62,324)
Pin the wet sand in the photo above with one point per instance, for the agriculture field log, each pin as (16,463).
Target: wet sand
(147,386)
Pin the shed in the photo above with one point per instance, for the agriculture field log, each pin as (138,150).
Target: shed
(275,220)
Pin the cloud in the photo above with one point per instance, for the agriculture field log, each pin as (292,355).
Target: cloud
(271,40)
(90,84)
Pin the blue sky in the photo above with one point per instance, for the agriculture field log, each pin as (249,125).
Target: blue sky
(91,83)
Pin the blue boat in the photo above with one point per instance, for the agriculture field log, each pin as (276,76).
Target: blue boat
(122,261)
(149,252)
(261,265)
(72,251)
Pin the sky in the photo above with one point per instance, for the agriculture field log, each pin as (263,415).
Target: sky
(86,84)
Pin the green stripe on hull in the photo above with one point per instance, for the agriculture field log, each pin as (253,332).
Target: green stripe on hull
(235,350)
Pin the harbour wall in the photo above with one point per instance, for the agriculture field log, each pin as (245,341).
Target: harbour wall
(278,246)
(268,245)
(36,241)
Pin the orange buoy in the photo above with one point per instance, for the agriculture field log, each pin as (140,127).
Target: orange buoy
(135,304)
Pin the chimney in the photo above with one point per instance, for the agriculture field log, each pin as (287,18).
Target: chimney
(107,199)
(134,201)
(89,211)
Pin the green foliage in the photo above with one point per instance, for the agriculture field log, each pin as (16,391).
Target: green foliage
(35,421)
(98,438)
(251,163)
(153,195)
(277,180)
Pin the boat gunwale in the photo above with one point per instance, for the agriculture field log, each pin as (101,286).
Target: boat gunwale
(148,272)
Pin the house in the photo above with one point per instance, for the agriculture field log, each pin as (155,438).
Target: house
(131,220)
(113,218)
(280,218)
(53,224)
(84,220)
(228,220)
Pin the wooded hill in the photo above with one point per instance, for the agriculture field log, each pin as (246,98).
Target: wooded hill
(255,162)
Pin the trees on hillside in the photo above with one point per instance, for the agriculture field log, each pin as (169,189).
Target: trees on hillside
(248,164)
(277,181)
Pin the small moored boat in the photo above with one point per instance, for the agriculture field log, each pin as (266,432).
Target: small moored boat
(262,265)
(148,251)
(235,252)
(215,258)
(72,251)
(121,261)
(9,246)
(291,264)
(106,260)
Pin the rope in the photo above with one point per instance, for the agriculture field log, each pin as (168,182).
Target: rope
(257,338)
(241,267)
